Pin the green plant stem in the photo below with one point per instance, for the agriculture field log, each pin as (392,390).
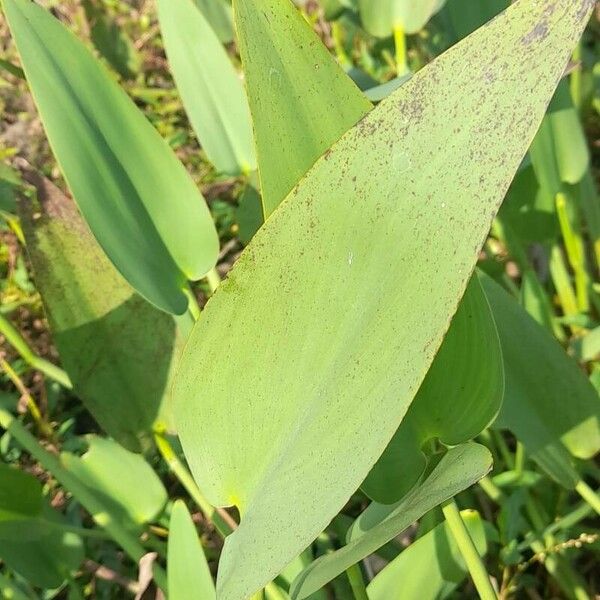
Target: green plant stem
(16,340)
(357,582)
(576,79)
(213,279)
(468,551)
(51,463)
(41,423)
(589,495)
(400,42)
(224,525)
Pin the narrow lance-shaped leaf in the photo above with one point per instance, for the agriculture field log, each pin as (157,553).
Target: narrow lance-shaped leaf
(137,198)
(301,101)
(459,468)
(218,14)
(330,319)
(210,89)
(189,575)
(118,349)
(549,404)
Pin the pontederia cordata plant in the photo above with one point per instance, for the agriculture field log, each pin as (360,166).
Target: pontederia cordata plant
(352,345)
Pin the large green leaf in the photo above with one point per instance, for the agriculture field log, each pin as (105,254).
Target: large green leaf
(549,404)
(380,18)
(123,480)
(326,326)
(301,101)
(50,558)
(188,572)
(431,568)
(137,198)
(459,468)
(117,348)
(210,89)
(459,398)
(20,504)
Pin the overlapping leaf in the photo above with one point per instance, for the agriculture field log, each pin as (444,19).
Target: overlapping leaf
(459,397)
(459,468)
(137,198)
(118,349)
(549,404)
(210,89)
(330,319)
(301,101)
(431,568)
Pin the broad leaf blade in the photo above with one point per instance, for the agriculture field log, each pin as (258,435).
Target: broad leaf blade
(301,101)
(189,576)
(327,333)
(460,468)
(549,404)
(137,198)
(210,89)
(218,14)
(431,568)
(118,349)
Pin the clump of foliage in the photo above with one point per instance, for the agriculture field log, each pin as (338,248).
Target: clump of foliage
(393,393)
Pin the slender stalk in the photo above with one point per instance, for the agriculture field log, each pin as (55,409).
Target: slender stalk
(467,548)
(213,279)
(16,340)
(357,583)
(42,424)
(400,42)
(589,495)
(89,501)
(576,79)
(223,523)
(575,253)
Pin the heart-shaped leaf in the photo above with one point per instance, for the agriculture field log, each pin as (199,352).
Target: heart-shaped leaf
(329,321)
(137,198)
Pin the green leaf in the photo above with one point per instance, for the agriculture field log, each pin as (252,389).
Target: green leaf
(461,467)
(549,404)
(137,198)
(47,560)
(300,99)
(218,14)
(322,334)
(380,18)
(188,572)
(117,348)
(431,568)
(460,396)
(20,504)
(210,89)
(123,480)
